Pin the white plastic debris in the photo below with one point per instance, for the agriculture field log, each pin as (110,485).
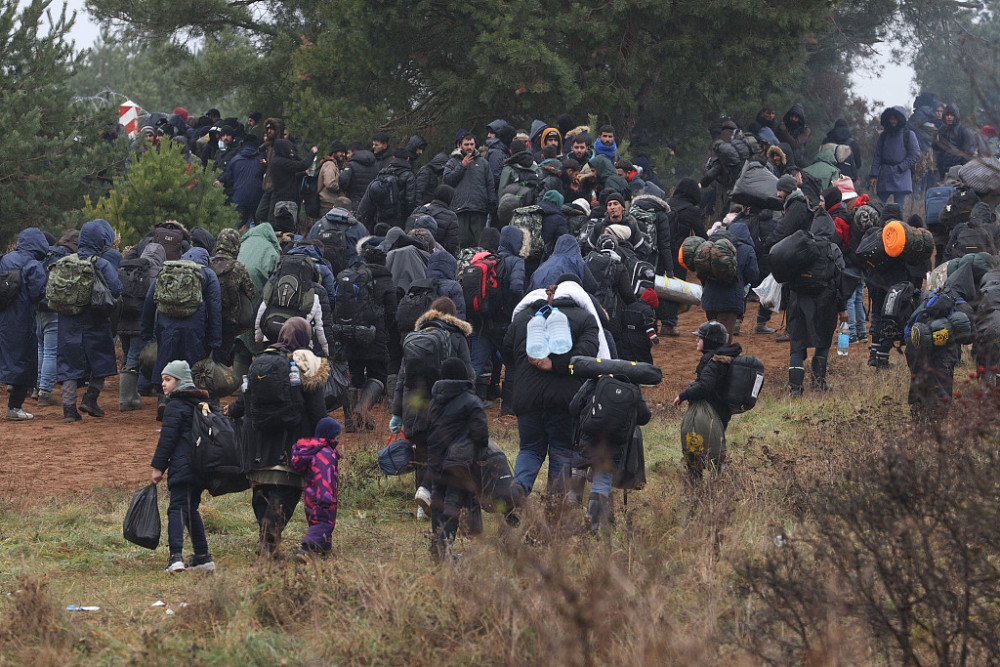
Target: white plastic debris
(76,607)
(159,603)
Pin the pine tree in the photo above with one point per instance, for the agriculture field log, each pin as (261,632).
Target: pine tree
(161,185)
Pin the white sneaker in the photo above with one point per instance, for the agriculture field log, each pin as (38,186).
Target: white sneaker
(421,514)
(176,566)
(423,497)
(18,415)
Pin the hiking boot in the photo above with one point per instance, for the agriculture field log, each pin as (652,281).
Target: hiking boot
(34,393)
(599,512)
(306,556)
(668,330)
(370,395)
(762,328)
(18,415)
(423,498)
(203,563)
(70,414)
(796,375)
(46,400)
(783,337)
(819,375)
(128,393)
(176,564)
(873,355)
(89,403)
(882,361)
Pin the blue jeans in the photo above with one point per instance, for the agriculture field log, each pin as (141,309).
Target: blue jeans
(47,331)
(183,511)
(856,311)
(131,349)
(602,483)
(898,197)
(544,433)
(484,343)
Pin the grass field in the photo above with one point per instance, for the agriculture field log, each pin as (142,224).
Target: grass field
(706,574)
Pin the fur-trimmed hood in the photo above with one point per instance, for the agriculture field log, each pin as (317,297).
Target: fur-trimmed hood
(579,129)
(315,370)
(775,150)
(651,203)
(464,327)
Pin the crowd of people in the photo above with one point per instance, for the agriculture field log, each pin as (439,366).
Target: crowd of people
(362,276)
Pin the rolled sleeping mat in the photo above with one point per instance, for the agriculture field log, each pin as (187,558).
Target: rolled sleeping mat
(638,372)
(675,289)
(913,244)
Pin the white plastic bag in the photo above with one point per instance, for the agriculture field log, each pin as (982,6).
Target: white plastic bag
(769,292)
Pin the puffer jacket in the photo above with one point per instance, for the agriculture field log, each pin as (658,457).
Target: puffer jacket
(712,376)
(511,245)
(244,176)
(176,443)
(370,214)
(428,177)
(796,215)
(318,461)
(442,266)
(357,174)
(475,189)
(18,345)
(730,297)
(565,258)
(824,168)
(412,403)
(460,433)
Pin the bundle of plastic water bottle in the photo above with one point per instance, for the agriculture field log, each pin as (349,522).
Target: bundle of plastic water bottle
(548,333)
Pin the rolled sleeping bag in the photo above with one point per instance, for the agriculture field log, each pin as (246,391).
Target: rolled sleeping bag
(638,372)
(688,250)
(675,289)
(912,244)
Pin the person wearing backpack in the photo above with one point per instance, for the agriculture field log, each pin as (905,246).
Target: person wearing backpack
(297,290)
(438,335)
(173,456)
(979,234)
(47,323)
(459,437)
(22,270)
(86,342)
(709,386)
(137,276)
(281,404)
(724,301)
(236,289)
(438,282)
(613,284)
(366,297)
(428,179)
(439,208)
(520,176)
(340,233)
(189,332)
(816,301)
(638,329)
(283,170)
(954,143)
(391,196)
(475,191)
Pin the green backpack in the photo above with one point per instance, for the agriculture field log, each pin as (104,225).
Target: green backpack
(529,220)
(647,223)
(71,282)
(178,288)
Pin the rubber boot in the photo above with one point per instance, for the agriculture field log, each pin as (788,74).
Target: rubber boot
(351,406)
(370,395)
(873,350)
(89,403)
(506,398)
(128,393)
(819,375)
(599,513)
(882,359)
(483,389)
(796,375)
(71,414)
(349,395)
(577,481)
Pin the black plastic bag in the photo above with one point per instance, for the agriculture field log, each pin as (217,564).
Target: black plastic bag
(142,521)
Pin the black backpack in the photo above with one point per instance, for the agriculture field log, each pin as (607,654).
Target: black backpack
(384,192)
(630,463)
(971,239)
(900,302)
(746,377)
(217,452)
(959,206)
(276,404)
(288,293)
(416,302)
(605,271)
(610,409)
(355,295)
(820,275)
(333,234)
(10,287)
(424,351)
(485,285)
(134,276)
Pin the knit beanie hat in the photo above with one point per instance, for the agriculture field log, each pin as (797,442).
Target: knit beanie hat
(622,232)
(892,212)
(831,196)
(178,368)
(454,368)
(787,183)
(616,196)
(489,239)
(554,196)
(651,298)
(328,428)
(583,205)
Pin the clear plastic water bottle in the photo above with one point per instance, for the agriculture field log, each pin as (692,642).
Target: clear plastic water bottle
(243,387)
(537,345)
(843,339)
(293,375)
(557,332)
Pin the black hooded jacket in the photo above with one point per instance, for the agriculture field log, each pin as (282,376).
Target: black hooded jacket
(359,172)
(685,213)
(429,177)
(284,169)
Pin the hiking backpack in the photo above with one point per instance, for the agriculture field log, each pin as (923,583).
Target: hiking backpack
(424,351)
(484,286)
(384,192)
(71,284)
(746,377)
(900,302)
(355,294)
(642,275)
(646,220)
(464,258)
(959,206)
(333,234)
(604,267)
(10,287)
(609,411)
(934,203)
(172,240)
(969,240)
(135,279)
(793,254)
(288,293)
(237,305)
(276,405)
(416,302)
(529,220)
(177,291)
(527,187)
(819,275)
(216,451)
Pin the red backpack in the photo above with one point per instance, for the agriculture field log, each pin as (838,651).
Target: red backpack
(484,287)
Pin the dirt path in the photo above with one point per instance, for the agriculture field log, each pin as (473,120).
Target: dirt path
(45,457)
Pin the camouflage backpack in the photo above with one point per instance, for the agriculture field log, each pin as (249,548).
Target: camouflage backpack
(70,285)
(647,223)
(463,260)
(177,292)
(716,260)
(529,220)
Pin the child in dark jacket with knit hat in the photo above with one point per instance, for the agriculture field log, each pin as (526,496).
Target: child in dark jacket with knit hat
(173,455)
(318,460)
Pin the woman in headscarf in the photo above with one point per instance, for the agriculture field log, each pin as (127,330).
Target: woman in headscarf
(281,405)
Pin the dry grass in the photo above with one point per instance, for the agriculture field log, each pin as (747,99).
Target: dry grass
(671,584)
